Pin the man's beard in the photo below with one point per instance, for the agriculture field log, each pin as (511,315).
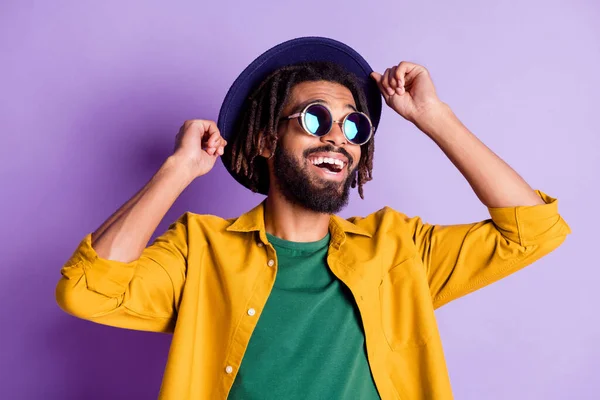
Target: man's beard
(299,186)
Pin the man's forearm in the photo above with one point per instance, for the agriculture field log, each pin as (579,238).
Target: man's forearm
(495,183)
(124,235)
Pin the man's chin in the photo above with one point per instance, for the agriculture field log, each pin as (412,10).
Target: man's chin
(312,188)
(320,184)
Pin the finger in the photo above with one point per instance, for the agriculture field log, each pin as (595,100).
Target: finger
(210,127)
(412,74)
(398,75)
(408,71)
(408,66)
(211,139)
(214,140)
(221,146)
(210,145)
(378,79)
(206,128)
(392,77)
(386,84)
(395,82)
(401,72)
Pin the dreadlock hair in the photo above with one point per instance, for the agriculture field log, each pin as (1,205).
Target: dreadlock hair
(258,125)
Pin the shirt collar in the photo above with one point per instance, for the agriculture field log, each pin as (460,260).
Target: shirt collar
(254,220)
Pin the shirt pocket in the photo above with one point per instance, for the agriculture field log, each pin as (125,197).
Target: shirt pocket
(407,316)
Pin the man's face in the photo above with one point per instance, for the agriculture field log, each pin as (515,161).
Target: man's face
(298,169)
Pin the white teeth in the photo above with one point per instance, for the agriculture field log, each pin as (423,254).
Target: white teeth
(328,160)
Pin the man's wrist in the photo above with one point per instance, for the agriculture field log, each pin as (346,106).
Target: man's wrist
(181,167)
(435,120)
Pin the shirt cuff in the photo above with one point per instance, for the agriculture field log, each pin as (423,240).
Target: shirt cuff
(529,225)
(108,277)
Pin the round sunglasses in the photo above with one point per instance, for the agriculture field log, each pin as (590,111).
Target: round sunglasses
(316,120)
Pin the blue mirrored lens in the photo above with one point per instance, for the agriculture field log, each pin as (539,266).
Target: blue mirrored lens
(351,129)
(357,128)
(312,123)
(317,120)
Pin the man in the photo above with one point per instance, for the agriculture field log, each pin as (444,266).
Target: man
(290,301)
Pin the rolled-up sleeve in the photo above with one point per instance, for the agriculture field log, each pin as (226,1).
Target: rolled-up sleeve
(463,258)
(142,294)
(106,277)
(531,225)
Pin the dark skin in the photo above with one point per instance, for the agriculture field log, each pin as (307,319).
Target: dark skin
(407,88)
(291,221)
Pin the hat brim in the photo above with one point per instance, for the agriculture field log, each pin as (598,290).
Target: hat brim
(304,49)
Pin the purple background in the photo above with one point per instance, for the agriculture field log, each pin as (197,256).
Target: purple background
(92,95)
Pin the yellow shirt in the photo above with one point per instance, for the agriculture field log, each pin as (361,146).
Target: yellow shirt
(207,279)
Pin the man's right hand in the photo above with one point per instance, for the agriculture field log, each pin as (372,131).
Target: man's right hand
(199,143)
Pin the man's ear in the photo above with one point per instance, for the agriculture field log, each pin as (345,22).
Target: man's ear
(267,152)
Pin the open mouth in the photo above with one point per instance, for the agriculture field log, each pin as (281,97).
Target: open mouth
(333,165)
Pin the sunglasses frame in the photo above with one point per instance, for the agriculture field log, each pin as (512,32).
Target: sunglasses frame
(300,115)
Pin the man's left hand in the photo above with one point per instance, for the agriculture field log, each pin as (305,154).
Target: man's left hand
(408,89)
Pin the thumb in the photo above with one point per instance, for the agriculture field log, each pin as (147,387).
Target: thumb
(376,76)
(378,79)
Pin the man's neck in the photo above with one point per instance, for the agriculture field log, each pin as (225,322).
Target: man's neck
(293,222)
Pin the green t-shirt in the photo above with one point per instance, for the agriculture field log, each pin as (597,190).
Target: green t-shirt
(309,341)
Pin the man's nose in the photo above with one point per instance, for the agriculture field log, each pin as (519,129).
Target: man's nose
(335,136)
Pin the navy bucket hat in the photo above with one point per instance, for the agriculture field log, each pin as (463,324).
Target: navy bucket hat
(299,50)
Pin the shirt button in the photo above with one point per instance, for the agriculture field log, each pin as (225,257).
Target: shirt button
(251,311)
(229,369)
(271,263)
(260,244)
